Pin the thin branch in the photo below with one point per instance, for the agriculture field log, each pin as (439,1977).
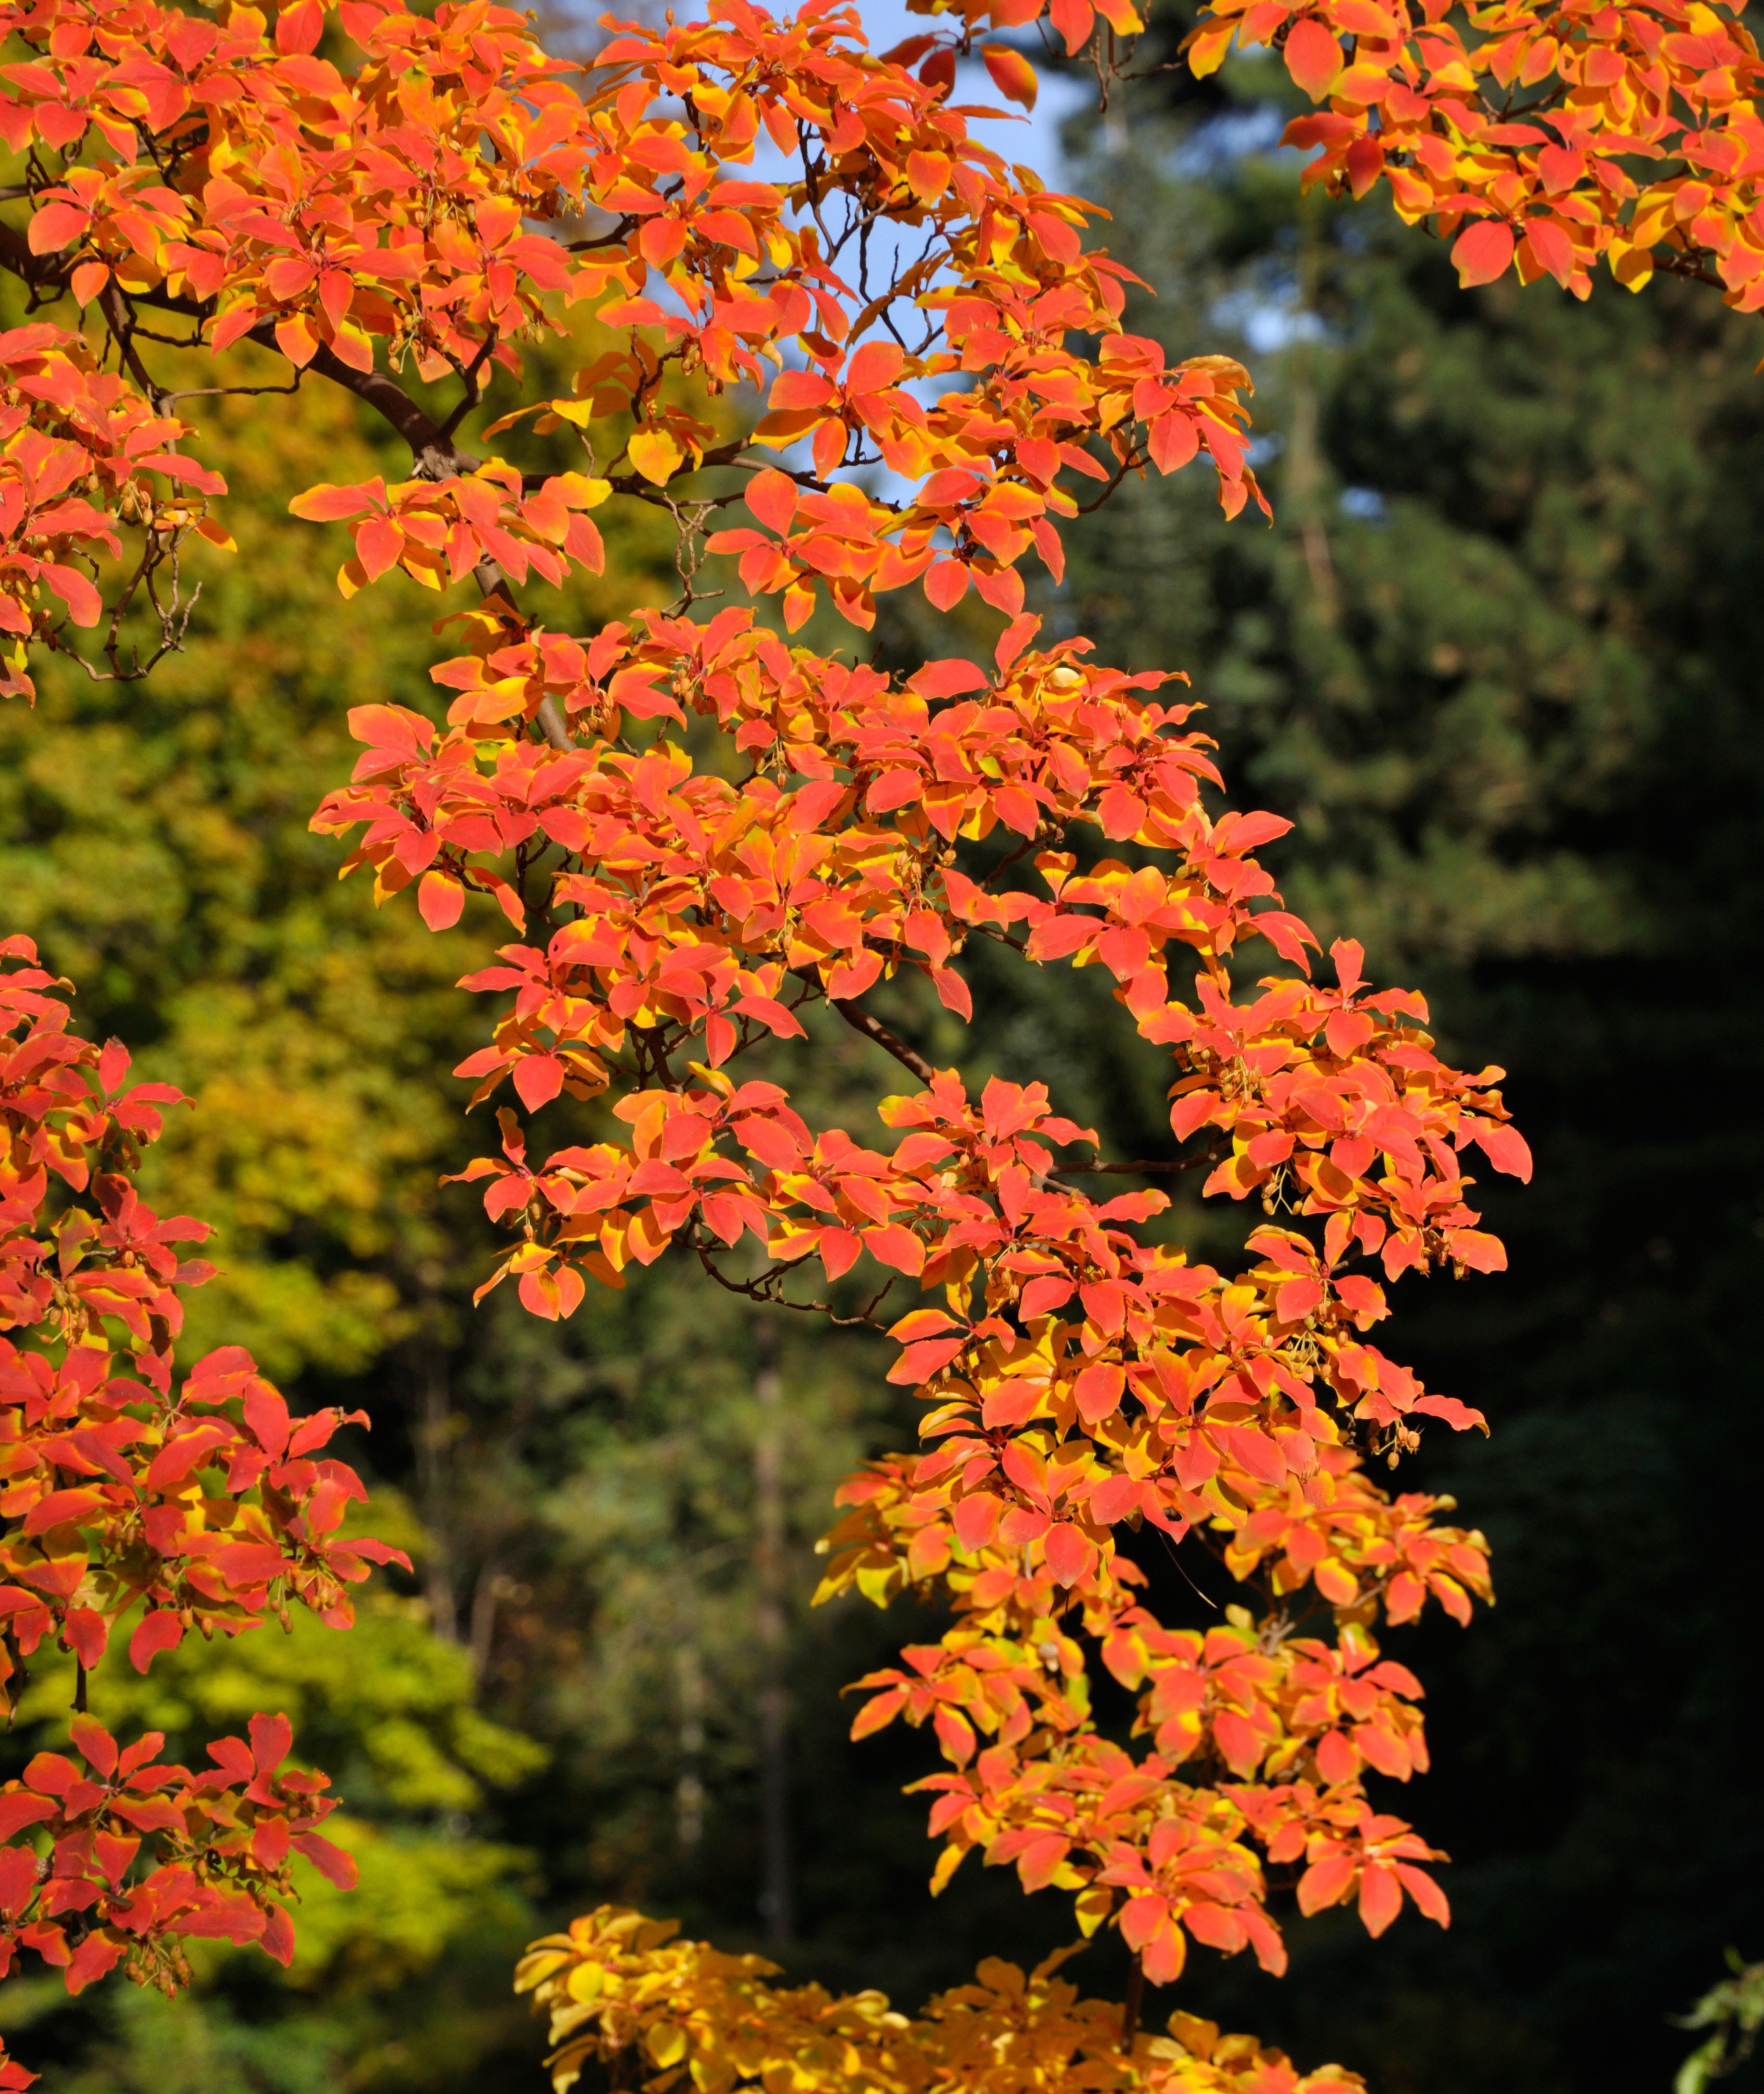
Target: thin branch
(469,378)
(763,1290)
(218,392)
(872,1028)
(1132,1170)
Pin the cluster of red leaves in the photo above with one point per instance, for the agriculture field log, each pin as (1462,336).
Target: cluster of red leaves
(283,199)
(198,1496)
(196,1499)
(439,534)
(79,451)
(695,909)
(1555,137)
(134,1855)
(1260,1738)
(326,209)
(1079,1377)
(1547,139)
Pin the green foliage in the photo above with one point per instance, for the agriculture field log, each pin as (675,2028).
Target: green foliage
(1733,2011)
(389,1710)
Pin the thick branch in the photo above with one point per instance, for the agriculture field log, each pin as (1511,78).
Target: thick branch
(434,457)
(432,452)
(39,270)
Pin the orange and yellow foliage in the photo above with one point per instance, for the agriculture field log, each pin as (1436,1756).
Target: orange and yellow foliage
(617,1982)
(370,194)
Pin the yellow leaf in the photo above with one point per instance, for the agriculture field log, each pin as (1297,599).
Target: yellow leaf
(656,455)
(1631,266)
(586,1982)
(508,421)
(1206,47)
(666,2044)
(581,492)
(948,1862)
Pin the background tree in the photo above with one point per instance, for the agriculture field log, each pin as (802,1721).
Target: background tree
(1521,662)
(658,453)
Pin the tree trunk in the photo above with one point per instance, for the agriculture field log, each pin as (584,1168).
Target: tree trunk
(431,1440)
(771,1635)
(688,1791)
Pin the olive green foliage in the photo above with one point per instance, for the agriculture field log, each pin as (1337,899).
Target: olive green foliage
(1733,2012)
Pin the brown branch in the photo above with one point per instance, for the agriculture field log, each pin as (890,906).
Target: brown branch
(873,1028)
(118,318)
(432,452)
(433,457)
(762,1290)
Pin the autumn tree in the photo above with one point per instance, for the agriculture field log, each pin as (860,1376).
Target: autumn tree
(708,844)
(194,1498)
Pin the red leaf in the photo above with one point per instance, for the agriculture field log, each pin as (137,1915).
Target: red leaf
(19,1810)
(1551,248)
(1380,1897)
(156,1632)
(1069,1554)
(976,1519)
(379,545)
(1314,57)
(945,584)
(772,497)
(61,1508)
(326,504)
(328,1859)
(1012,74)
(1325,1883)
(277,1937)
(271,1738)
(18,1879)
(919,1362)
(1506,1149)
(1482,252)
(538,1078)
(439,897)
(266,1416)
(86,1634)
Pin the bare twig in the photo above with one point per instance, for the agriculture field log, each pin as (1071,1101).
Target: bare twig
(872,1028)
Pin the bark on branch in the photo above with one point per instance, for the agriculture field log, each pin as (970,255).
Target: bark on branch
(873,1028)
